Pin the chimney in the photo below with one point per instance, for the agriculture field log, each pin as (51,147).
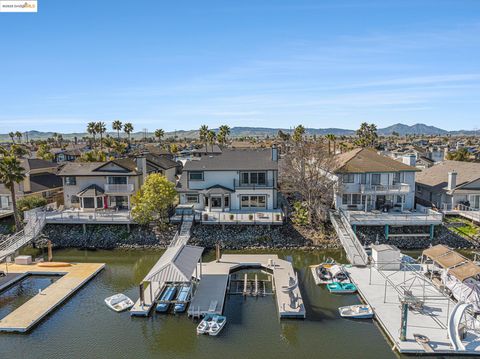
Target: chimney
(452,180)
(142,167)
(410,160)
(274,153)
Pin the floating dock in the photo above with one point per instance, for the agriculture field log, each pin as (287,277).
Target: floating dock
(34,310)
(431,321)
(210,294)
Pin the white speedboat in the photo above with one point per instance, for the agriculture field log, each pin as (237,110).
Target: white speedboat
(119,302)
(359,311)
(217,324)
(204,324)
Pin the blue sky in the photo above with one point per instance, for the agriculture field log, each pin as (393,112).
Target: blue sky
(270,63)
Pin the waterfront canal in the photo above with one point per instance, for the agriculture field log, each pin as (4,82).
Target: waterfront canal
(85,328)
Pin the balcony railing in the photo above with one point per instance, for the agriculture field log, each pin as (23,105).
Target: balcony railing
(119,188)
(269,183)
(381,188)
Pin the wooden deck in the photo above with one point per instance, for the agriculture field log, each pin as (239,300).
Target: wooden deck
(210,295)
(33,311)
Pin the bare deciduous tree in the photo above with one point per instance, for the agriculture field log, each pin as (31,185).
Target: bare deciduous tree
(307,172)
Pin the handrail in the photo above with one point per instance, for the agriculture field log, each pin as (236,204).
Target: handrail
(355,241)
(33,227)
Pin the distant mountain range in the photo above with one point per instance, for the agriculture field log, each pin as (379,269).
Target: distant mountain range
(401,129)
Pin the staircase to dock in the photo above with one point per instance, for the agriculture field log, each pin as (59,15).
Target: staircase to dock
(356,254)
(32,229)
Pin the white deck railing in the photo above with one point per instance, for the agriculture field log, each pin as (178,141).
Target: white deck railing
(414,218)
(392,188)
(74,216)
(119,188)
(260,217)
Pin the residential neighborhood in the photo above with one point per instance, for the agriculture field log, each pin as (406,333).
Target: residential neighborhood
(219,179)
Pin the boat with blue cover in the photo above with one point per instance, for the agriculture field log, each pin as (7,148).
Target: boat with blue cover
(166,297)
(182,298)
(341,288)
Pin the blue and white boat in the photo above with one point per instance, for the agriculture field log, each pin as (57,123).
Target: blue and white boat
(341,288)
(164,300)
(359,311)
(182,298)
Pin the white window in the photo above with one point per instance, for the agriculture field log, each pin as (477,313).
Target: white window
(348,178)
(70,181)
(191,198)
(258,178)
(376,178)
(254,201)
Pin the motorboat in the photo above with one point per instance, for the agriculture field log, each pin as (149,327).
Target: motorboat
(204,324)
(329,272)
(166,297)
(217,324)
(358,311)
(182,298)
(119,302)
(341,288)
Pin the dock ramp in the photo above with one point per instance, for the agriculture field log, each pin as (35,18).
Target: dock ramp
(356,254)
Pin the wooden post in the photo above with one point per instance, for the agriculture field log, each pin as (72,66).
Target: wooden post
(217,250)
(142,299)
(50,254)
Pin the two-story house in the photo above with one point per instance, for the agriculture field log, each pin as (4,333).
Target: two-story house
(236,186)
(40,180)
(101,185)
(369,181)
(111,184)
(449,184)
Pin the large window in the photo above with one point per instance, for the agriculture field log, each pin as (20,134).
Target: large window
(376,178)
(354,198)
(191,198)
(117,180)
(74,199)
(348,178)
(70,181)
(254,201)
(195,176)
(257,178)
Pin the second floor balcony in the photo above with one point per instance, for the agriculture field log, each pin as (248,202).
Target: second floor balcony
(119,188)
(268,183)
(385,189)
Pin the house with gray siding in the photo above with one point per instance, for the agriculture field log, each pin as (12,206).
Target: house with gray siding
(236,186)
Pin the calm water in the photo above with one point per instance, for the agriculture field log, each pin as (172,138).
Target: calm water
(85,328)
(14,296)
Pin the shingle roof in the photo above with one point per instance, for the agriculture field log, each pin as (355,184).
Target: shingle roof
(45,181)
(91,191)
(209,149)
(232,160)
(161,161)
(92,168)
(363,160)
(437,175)
(36,163)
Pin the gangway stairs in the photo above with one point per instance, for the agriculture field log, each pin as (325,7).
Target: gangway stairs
(356,254)
(32,229)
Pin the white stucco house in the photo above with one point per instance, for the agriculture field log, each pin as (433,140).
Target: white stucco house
(236,186)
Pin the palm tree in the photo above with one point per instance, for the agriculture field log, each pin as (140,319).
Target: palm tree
(211,136)
(18,135)
(92,129)
(223,133)
(12,136)
(101,128)
(204,135)
(331,138)
(128,129)
(117,126)
(11,172)
(159,134)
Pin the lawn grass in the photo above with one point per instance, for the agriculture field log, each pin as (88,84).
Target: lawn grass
(468,229)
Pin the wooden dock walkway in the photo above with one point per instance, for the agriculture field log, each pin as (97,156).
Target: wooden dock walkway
(33,311)
(210,294)
(430,321)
